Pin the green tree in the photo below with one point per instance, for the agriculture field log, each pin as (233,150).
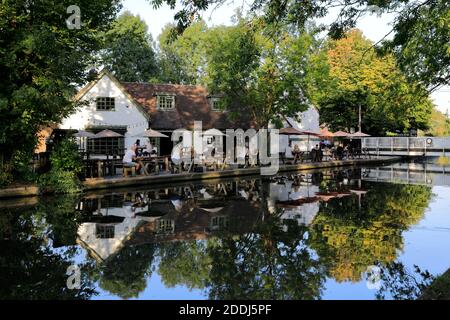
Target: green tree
(261,71)
(358,77)
(420,29)
(128,49)
(439,125)
(41,63)
(184,59)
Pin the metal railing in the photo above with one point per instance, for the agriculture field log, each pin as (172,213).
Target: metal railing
(407,145)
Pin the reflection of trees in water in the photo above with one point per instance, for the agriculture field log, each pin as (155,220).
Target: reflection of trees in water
(125,274)
(184,263)
(350,238)
(270,263)
(399,283)
(31,268)
(271,260)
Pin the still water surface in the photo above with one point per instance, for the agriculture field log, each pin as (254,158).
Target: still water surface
(336,234)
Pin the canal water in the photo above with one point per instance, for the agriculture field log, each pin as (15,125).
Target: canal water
(333,234)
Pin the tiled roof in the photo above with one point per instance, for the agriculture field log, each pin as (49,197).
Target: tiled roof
(191,104)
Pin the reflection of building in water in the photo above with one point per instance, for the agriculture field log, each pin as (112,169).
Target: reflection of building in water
(171,215)
(195,212)
(197,221)
(297,202)
(109,225)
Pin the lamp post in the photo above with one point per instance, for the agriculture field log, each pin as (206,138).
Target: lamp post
(359,118)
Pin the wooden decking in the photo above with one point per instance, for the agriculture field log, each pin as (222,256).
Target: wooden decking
(162,178)
(115,182)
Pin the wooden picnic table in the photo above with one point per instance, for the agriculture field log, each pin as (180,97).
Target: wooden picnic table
(147,163)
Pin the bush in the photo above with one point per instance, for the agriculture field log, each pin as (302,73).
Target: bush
(59,181)
(65,157)
(22,168)
(65,166)
(6,176)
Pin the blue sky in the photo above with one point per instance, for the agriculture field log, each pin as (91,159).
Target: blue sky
(374,28)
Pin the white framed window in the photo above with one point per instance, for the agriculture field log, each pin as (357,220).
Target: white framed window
(105,103)
(165,102)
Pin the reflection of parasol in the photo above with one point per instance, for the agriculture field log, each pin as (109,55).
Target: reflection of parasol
(211,210)
(107,134)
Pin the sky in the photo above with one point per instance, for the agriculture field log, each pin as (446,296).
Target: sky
(373,27)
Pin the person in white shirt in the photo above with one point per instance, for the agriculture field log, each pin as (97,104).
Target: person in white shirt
(130,157)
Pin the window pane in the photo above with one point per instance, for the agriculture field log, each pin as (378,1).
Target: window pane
(165,102)
(105,103)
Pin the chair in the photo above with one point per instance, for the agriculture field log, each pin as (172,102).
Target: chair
(129,169)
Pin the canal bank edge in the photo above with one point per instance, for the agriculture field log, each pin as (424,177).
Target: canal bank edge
(101,183)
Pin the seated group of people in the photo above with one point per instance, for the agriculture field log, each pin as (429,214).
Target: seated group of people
(131,156)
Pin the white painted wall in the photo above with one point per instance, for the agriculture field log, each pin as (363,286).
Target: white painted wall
(308,121)
(126,113)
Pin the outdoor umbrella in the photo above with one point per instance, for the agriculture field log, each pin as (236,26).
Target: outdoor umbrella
(341,134)
(290,131)
(214,132)
(150,133)
(325,133)
(83,134)
(293,131)
(107,134)
(359,134)
(310,133)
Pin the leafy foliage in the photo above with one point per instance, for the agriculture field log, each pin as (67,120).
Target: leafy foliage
(65,156)
(421,27)
(65,166)
(41,63)
(358,77)
(402,284)
(31,267)
(6,176)
(184,59)
(128,49)
(125,274)
(59,181)
(262,71)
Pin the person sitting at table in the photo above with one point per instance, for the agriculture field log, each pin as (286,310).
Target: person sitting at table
(340,152)
(129,159)
(148,148)
(296,153)
(137,146)
(319,154)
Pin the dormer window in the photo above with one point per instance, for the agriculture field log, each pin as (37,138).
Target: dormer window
(105,103)
(165,102)
(216,104)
